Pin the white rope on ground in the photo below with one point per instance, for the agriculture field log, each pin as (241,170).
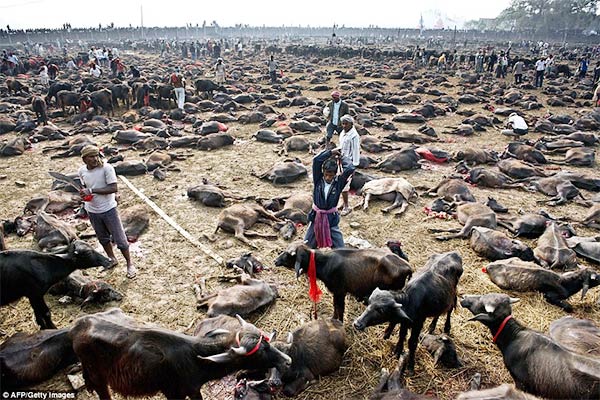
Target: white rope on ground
(205,249)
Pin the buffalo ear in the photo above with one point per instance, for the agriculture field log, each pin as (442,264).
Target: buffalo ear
(401,314)
(483,317)
(218,358)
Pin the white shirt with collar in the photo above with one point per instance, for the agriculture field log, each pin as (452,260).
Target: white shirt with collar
(350,145)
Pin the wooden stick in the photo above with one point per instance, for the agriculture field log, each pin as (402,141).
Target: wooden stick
(205,249)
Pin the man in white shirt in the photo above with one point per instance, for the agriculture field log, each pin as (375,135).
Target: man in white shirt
(540,67)
(100,182)
(517,126)
(95,71)
(334,111)
(350,148)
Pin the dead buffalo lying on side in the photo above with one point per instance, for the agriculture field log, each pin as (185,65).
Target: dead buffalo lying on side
(284,172)
(135,221)
(90,291)
(470,215)
(239,218)
(538,364)
(27,359)
(520,276)
(442,348)
(397,190)
(215,141)
(250,295)
(185,362)
(14,147)
(494,245)
(353,271)
(578,335)
(51,232)
(552,250)
(211,195)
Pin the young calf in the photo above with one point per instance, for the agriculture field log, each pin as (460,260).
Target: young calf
(316,349)
(431,293)
(354,271)
(27,273)
(537,363)
(140,360)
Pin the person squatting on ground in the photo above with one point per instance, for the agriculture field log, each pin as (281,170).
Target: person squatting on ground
(334,111)
(323,228)
(100,182)
(350,148)
(178,83)
(516,126)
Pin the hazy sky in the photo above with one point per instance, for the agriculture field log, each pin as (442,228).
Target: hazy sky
(399,13)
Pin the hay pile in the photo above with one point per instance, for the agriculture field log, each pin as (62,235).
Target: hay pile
(169,265)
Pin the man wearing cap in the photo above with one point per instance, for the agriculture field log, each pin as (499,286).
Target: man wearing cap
(516,126)
(323,230)
(334,111)
(350,148)
(100,182)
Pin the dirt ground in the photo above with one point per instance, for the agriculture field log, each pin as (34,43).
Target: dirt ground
(169,265)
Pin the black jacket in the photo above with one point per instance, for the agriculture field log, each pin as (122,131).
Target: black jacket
(334,191)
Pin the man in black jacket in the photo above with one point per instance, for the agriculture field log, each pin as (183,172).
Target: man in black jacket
(323,230)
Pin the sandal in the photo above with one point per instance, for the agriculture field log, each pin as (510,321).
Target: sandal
(346,211)
(131,272)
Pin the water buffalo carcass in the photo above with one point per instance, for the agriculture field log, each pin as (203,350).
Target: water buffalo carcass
(284,172)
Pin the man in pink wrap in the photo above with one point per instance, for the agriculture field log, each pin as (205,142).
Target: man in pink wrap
(323,229)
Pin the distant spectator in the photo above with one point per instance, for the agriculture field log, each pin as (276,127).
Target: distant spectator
(518,71)
(540,67)
(95,70)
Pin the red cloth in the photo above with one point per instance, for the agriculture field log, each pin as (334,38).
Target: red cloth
(313,292)
(321,227)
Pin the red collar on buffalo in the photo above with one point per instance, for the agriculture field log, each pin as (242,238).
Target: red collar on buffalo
(502,325)
(255,349)
(313,292)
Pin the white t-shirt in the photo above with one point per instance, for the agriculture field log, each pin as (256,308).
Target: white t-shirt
(335,119)
(540,65)
(98,178)
(326,188)
(96,72)
(517,122)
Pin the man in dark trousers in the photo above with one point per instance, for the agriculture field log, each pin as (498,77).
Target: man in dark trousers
(323,230)
(334,111)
